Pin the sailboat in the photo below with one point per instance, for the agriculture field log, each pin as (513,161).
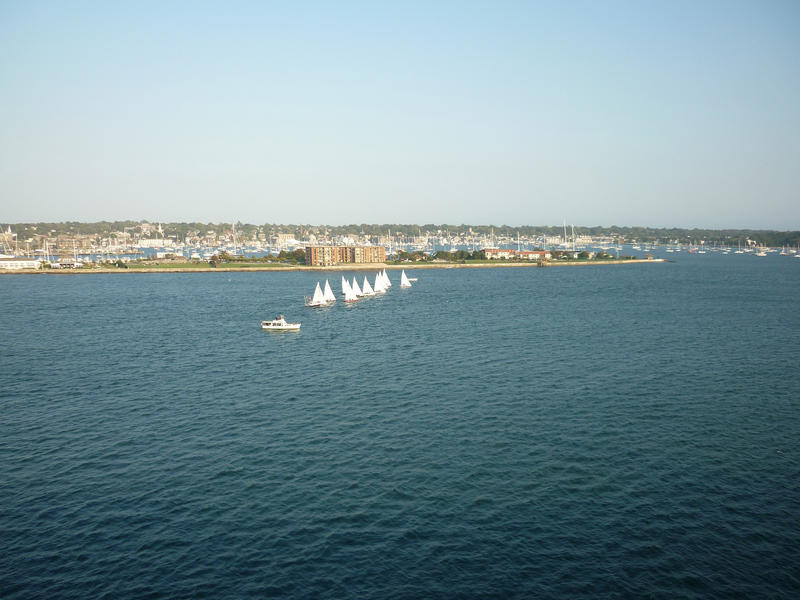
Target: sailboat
(386,282)
(318,299)
(366,289)
(380,286)
(404,282)
(355,288)
(328,293)
(349,294)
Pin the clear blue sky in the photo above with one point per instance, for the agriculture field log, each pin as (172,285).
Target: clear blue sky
(679,113)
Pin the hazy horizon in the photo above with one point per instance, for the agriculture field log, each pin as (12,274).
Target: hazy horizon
(683,115)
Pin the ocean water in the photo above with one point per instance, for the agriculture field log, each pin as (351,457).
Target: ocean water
(583,432)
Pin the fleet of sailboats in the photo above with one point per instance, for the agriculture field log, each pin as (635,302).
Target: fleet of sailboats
(353,292)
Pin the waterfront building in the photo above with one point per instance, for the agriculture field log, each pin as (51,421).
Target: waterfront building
(15,263)
(533,254)
(507,253)
(499,253)
(324,256)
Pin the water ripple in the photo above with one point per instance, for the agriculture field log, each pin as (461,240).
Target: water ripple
(574,433)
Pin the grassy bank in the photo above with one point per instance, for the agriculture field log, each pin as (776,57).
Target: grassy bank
(159,267)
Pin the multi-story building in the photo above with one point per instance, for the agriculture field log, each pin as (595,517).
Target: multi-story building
(13,263)
(499,253)
(324,256)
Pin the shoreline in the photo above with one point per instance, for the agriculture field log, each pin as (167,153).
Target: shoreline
(347,267)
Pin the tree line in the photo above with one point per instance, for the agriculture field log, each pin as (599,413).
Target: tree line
(246,231)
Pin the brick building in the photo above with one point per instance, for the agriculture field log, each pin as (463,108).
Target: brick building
(324,256)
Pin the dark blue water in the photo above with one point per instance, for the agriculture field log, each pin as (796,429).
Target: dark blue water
(576,432)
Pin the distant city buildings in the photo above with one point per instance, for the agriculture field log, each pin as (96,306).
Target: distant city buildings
(508,253)
(325,256)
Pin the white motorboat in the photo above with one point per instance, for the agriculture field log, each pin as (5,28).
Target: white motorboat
(279,324)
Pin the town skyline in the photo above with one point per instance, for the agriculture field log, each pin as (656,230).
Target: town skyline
(36,236)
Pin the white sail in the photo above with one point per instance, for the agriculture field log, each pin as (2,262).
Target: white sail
(349,294)
(404,282)
(328,294)
(379,287)
(386,279)
(356,289)
(318,299)
(366,289)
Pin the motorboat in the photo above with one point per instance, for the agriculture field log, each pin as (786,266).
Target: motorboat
(279,324)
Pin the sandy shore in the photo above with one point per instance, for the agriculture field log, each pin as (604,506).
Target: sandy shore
(348,267)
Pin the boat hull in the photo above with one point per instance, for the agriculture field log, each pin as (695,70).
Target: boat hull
(287,327)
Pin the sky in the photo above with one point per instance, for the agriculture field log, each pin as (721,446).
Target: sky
(662,114)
